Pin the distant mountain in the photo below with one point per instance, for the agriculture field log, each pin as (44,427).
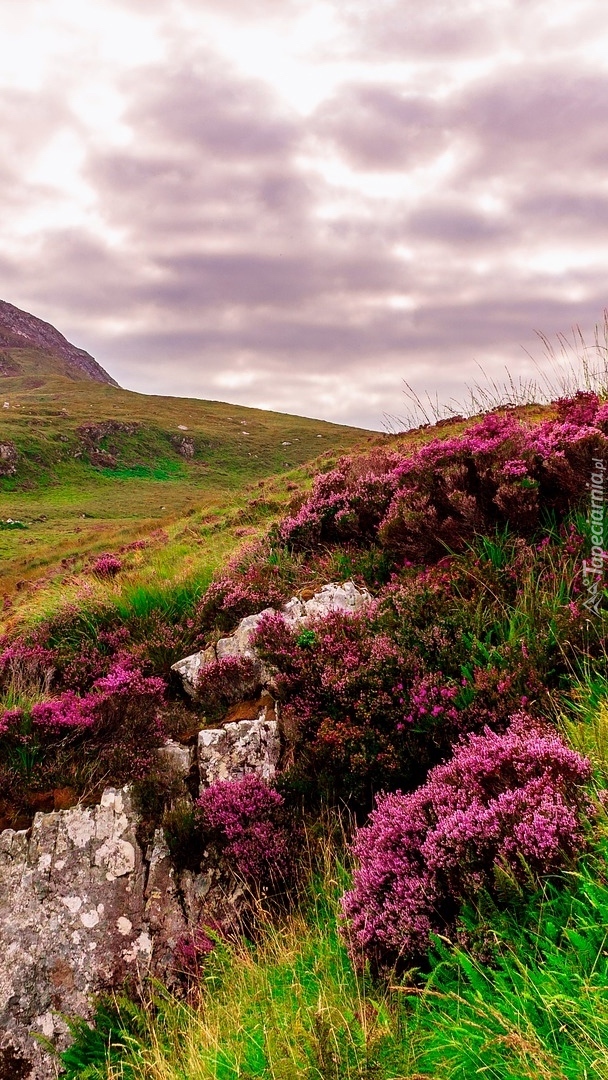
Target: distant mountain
(20,330)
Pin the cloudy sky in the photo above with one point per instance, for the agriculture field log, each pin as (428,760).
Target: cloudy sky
(297,204)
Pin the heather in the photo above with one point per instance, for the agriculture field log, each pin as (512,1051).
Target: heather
(501,471)
(78,741)
(505,805)
(246,818)
(377,699)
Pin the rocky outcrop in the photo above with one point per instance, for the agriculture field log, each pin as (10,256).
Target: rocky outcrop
(8,459)
(72,919)
(232,751)
(185,445)
(19,329)
(333,597)
(82,906)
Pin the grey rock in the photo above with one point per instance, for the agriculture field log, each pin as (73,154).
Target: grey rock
(73,919)
(176,758)
(8,459)
(332,597)
(248,746)
(190,667)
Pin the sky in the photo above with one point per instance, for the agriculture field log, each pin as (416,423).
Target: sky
(298,205)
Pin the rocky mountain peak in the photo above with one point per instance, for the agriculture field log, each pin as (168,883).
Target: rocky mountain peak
(19,329)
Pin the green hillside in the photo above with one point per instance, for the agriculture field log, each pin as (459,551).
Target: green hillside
(87,467)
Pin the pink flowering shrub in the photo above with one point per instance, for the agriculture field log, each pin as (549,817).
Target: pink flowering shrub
(338,683)
(107,566)
(500,471)
(510,802)
(191,951)
(109,733)
(223,682)
(251,582)
(246,816)
(66,713)
(26,666)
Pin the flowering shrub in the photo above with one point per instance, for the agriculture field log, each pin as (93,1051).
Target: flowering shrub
(65,713)
(251,582)
(510,802)
(246,816)
(501,470)
(191,951)
(107,566)
(222,682)
(26,667)
(110,732)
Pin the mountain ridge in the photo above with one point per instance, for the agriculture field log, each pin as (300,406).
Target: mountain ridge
(20,329)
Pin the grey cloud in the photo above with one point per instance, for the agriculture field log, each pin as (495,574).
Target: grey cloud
(454,222)
(543,118)
(213,111)
(379,128)
(409,30)
(229,261)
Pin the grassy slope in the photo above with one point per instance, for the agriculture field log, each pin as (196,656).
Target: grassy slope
(293,1007)
(76,505)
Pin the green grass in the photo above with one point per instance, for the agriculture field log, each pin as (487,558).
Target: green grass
(193,511)
(292,1006)
(76,504)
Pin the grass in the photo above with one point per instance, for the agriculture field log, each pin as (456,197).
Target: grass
(292,1006)
(571,364)
(80,494)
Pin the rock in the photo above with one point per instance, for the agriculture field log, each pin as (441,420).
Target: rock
(163,911)
(345,597)
(73,919)
(184,444)
(248,746)
(8,459)
(177,758)
(333,597)
(239,643)
(82,907)
(189,668)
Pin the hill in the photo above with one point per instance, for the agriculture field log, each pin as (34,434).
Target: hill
(86,466)
(30,346)
(460,928)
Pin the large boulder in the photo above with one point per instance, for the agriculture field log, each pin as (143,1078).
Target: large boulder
(232,751)
(73,920)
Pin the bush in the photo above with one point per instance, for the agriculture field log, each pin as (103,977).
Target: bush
(501,471)
(107,566)
(246,816)
(505,804)
(106,735)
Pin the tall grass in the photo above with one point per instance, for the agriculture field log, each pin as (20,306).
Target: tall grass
(526,1000)
(289,1007)
(569,365)
(538,1006)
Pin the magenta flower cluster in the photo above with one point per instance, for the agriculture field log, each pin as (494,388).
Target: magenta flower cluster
(107,566)
(246,815)
(71,712)
(191,951)
(501,470)
(512,802)
(114,727)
